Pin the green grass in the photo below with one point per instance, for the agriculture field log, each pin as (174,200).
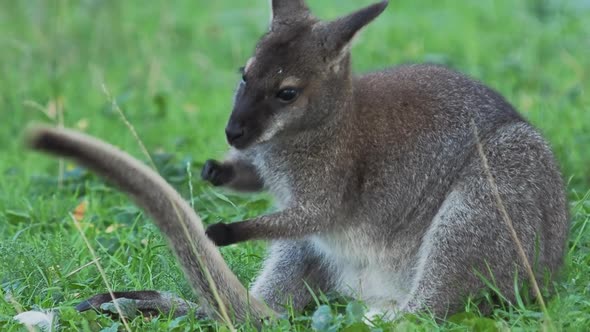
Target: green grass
(172,66)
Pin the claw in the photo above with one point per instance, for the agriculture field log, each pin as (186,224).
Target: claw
(216,173)
(221,234)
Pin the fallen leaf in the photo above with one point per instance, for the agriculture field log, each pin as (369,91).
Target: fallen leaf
(80,211)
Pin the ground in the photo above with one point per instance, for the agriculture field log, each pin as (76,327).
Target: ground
(171,68)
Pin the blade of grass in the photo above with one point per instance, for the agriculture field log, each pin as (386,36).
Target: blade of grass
(94,261)
(100,270)
(129,125)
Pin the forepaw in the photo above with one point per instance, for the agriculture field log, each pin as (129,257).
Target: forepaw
(216,173)
(221,234)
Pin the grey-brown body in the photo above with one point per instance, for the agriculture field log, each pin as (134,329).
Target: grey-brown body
(382,193)
(413,216)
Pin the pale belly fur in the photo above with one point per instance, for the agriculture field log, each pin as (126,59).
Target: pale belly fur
(364,273)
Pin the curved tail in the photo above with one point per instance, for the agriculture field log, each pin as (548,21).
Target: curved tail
(220,291)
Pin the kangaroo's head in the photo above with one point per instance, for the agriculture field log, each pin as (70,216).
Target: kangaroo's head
(299,76)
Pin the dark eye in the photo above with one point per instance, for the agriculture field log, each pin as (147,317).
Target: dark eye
(287,95)
(241,71)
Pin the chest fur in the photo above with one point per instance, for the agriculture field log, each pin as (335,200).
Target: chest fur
(275,174)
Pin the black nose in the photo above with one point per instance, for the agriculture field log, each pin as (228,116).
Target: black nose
(233,132)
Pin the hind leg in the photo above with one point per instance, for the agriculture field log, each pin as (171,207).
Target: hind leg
(469,240)
(469,245)
(450,258)
(291,270)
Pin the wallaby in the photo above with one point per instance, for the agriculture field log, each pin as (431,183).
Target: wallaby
(382,192)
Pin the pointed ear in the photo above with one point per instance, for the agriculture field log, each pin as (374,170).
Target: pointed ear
(284,11)
(342,30)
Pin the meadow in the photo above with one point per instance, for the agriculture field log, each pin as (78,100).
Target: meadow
(171,68)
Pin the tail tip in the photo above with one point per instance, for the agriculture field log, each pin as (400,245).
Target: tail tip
(36,136)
